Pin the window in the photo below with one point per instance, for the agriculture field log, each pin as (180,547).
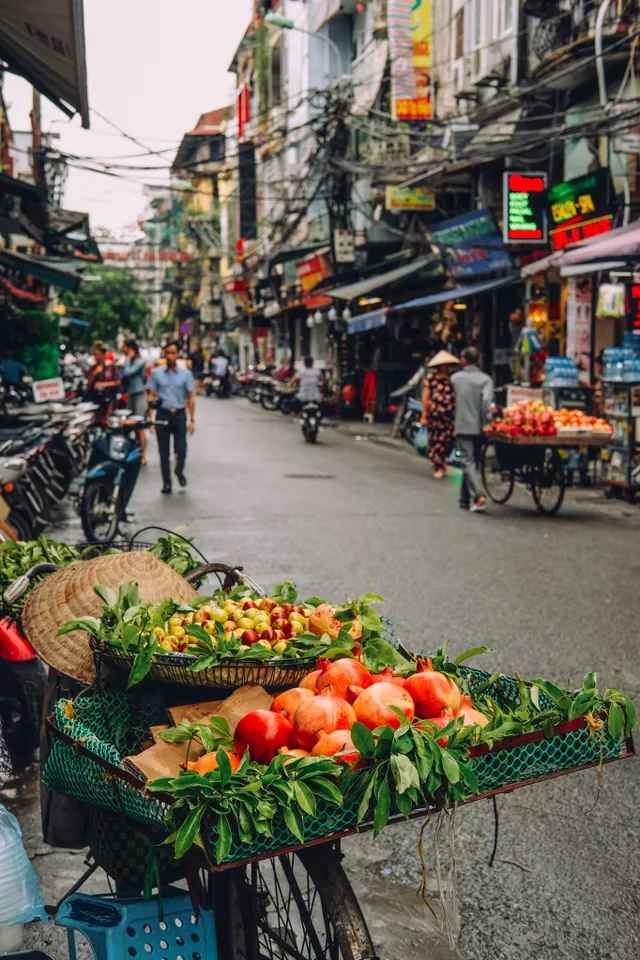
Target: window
(506,15)
(459,34)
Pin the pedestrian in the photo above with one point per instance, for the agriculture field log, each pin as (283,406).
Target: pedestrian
(220,368)
(474,397)
(438,410)
(171,391)
(102,380)
(197,368)
(132,380)
(12,371)
(309,383)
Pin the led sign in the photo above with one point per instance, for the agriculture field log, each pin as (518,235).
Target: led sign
(579,209)
(524,215)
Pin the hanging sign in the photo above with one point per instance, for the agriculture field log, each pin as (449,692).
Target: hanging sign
(579,209)
(45,390)
(472,245)
(409,27)
(409,198)
(524,214)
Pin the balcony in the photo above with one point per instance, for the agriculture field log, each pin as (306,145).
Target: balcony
(564,34)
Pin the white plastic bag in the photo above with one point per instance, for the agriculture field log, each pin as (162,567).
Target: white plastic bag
(20,897)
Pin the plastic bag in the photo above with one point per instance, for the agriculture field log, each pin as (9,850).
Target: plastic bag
(20,896)
(421,442)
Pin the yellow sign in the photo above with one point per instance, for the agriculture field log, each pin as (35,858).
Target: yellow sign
(410,198)
(409,27)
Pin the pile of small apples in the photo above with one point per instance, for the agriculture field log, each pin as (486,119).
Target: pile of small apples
(532,418)
(315,719)
(577,420)
(262,622)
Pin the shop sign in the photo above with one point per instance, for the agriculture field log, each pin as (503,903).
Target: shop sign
(312,271)
(44,390)
(518,394)
(409,198)
(524,215)
(472,245)
(409,27)
(578,343)
(633,296)
(344,246)
(579,209)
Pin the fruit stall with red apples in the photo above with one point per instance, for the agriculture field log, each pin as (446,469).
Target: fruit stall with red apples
(536,446)
(247,733)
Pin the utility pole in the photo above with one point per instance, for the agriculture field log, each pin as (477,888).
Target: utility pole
(157,295)
(36,137)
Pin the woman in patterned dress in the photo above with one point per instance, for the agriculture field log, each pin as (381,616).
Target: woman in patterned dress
(438,411)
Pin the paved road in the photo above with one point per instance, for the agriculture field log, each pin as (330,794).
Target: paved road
(555,598)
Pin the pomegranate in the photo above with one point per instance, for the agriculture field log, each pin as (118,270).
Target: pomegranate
(336,678)
(287,703)
(387,676)
(322,621)
(372,707)
(210,762)
(263,732)
(432,691)
(320,715)
(309,682)
(337,744)
(436,723)
(293,753)
(470,715)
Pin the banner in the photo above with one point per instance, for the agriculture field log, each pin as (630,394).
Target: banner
(410,198)
(409,27)
(472,245)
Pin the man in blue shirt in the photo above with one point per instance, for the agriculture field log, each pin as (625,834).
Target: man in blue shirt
(174,387)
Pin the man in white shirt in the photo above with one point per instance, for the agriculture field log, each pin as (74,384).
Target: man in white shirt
(309,382)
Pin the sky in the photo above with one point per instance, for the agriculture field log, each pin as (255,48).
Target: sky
(154,66)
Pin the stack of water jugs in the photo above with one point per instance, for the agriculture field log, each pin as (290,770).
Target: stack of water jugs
(560,372)
(621,365)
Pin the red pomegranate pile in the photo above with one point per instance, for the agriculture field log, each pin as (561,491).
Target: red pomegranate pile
(316,718)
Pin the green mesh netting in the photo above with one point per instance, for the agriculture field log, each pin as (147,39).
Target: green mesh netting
(114,725)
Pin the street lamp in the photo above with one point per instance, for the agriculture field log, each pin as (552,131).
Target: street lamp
(287,24)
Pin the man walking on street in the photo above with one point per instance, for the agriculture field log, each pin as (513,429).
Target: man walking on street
(474,396)
(174,387)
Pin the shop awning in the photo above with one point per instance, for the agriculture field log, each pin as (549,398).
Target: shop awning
(44,43)
(458,293)
(582,269)
(619,244)
(65,274)
(368,321)
(379,280)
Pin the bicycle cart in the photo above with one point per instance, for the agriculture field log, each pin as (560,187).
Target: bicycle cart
(540,463)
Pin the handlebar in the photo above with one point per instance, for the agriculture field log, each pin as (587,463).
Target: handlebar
(20,586)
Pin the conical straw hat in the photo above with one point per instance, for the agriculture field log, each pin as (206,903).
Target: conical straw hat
(441,358)
(69,595)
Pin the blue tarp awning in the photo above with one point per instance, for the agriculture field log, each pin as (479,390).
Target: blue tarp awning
(457,293)
(368,321)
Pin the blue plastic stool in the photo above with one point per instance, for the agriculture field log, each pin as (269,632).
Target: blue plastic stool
(129,929)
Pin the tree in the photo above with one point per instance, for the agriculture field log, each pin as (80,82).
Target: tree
(109,304)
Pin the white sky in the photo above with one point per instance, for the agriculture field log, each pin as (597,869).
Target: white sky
(154,66)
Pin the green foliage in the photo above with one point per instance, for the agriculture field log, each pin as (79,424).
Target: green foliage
(110,304)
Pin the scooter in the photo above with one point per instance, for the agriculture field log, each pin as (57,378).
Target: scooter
(310,418)
(102,494)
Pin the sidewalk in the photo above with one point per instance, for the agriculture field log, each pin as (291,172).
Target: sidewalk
(369,432)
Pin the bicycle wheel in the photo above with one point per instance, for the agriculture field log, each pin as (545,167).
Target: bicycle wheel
(497,482)
(547,482)
(298,906)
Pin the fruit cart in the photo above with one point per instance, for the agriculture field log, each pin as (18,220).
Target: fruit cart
(258,839)
(540,463)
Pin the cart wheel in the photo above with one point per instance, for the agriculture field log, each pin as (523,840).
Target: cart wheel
(547,484)
(497,482)
(297,905)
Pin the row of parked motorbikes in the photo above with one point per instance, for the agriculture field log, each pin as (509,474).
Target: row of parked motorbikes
(271,387)
(51,450)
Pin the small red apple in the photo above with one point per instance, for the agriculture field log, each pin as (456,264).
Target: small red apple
(286,609)
(268,634)
(267,604)
(249,605)
(280,635)
(299,610)
(249,637)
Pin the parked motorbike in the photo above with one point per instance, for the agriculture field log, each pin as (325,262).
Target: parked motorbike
(310,418)
(101,495)
(410,423)
(405,415)
(217,386)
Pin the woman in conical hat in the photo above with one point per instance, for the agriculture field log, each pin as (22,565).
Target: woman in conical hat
(438,410)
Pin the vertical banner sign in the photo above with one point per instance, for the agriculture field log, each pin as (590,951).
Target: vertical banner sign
(579,325)
(409,27)
(524,214)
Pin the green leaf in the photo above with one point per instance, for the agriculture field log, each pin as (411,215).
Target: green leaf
(225,838)
(109,596)
(88,624)
(368,598)
(142,662)
(385,741)
(188,830)
(554,693)
(404,722)
(363,739)
(471,652)
(202,663)
(590,682)
(130,637)
(404,773)
(383,808)
(363,806)
(582,704)
(220,727)
(344,616)
(179,734)
(327,790)
(224,766)
(450,767)
(547,728)
(632,720)
(132,612)
(294,822)
(469,777)
(616,721)
(200,634)
(305,797)
(312,602)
